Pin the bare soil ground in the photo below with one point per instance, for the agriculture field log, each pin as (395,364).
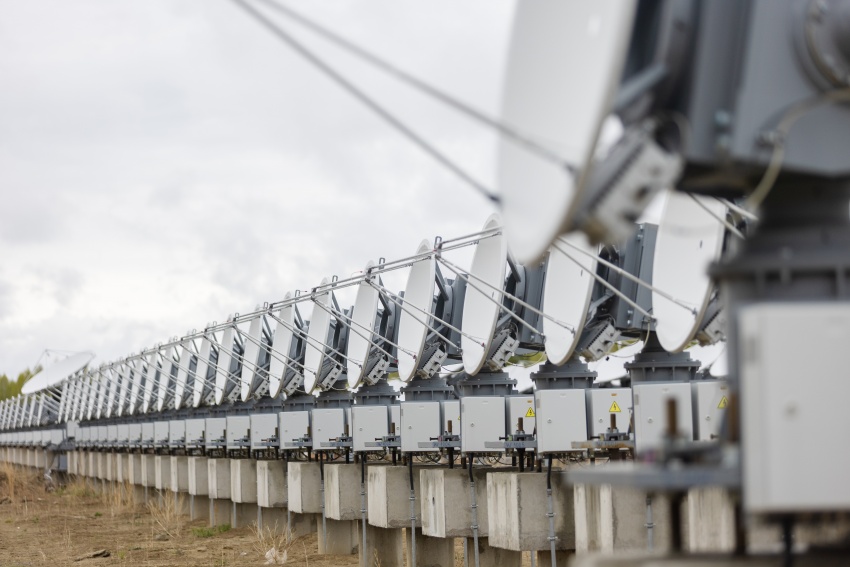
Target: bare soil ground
(61,527)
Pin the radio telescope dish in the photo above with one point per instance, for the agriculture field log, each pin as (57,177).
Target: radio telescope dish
(567,294)
(57,372)
(199,387)
(280,365)
(689,240)
(150,381)
(418,295)
(480,313)
(225,357)
(564,67)
(182,374)
(320,324)
(164,377)
(251,357)
(363,318)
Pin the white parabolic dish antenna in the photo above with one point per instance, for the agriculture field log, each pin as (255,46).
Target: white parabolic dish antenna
(250,357)
(182,374)
(564,67)
(164,377)
(567,294)
(201,371)
(418,295)
(138,368)
(481,306)
(317,337)
(57,372)
(225,356)
(363,318)
(689,240)
(282,347)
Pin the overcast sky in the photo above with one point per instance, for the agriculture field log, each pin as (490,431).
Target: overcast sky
(166,163)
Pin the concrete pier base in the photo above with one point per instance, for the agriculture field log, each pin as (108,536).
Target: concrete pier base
(341,537)
(220,512)
(271,519)
(148,468)
(432,551)
(162,472)
(303,524)
(179,474)
(242,514)
(243,481)
(342,492)
(388,496)
(613,519)
(271,484)
(383,547)
(109,467)
(199,507)
(304,488)
(218,479)
(711,520)
(446,502)
(198,476)
(562,558)
(489,556)
(517,511)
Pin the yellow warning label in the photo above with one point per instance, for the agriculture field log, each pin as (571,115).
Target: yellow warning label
(723,403)
(530,412)
(615,408)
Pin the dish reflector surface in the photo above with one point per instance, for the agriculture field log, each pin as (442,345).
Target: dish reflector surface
(225,356)
(182,374)
(56,372)
(164,377)
(282,344)
(150,381)
(689,240)
(480,313)
(564,66)
(567,294)
(363,318)
(320,323)
(251,357)
(418,294)
(201,371)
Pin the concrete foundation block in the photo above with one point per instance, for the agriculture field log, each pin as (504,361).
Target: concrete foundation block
(109,467)
(134,469)
(219,478)
(711,520)
(162,472)
(304,488)
(272,519)
(100,465)
(562,558)
(446,502)
(342,492)
(517,511)
(179,474)
(242,514)
(489,556)
(220,512)
(149,469)
(340,539)
(271,484)
(431,551)
(388,490)
(91,464)
(199,507)
(199,476)
(383,547)
(243,481)
(303,524)
(613,519)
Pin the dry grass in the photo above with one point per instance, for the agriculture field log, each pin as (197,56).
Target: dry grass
(165,512)
(271,543)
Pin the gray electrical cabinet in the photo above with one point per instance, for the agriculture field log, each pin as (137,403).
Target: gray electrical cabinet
(789,353)
(214,428)
(134,434)
(368,424)
(237,432)
(263,429)
(177,433)
(420,422)
(293,425)
(160,432)
(123,434)
(563,419)
(148,433)
(195,432)
(482,420)
(111,435)
(650,407)
(328,424)
(602,403)
(710,400)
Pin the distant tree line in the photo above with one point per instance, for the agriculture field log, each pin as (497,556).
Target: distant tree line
(10,388)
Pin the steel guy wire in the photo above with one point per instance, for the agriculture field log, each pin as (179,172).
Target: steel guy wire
(730,227)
